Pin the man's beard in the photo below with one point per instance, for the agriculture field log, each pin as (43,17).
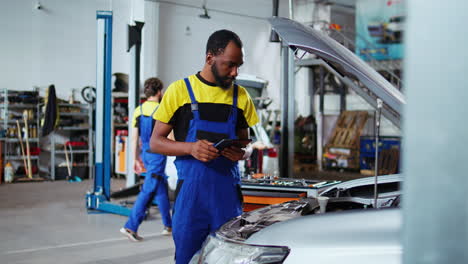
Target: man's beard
(223,82)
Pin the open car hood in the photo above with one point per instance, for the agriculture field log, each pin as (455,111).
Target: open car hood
(342,60)
(341,197)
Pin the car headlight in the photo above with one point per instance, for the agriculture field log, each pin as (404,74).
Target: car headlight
(219,250)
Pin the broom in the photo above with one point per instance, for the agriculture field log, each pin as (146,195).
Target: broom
(22,148)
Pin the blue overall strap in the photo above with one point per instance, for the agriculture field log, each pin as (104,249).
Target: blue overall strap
(154,111)
(234,103)
(141,114)
(194,103)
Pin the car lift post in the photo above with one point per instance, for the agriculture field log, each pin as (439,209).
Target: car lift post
(99,198)
(134,47)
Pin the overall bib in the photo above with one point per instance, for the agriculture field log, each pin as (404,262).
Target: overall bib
(155,185)
(209,193)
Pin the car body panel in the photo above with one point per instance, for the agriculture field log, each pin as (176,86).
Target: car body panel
(299,36)
(368,236)
(243,226)
(362,190)
(362,181)
(345,232)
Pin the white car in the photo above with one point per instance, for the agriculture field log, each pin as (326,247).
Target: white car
(303,232)
(311,230)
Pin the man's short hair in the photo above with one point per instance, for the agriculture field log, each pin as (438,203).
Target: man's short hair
(152,86)
(218,41)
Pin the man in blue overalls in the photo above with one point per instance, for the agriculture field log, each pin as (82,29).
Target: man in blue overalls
(155,185)
(203,109)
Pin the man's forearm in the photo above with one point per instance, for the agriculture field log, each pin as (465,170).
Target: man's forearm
(165,146)
(134,143)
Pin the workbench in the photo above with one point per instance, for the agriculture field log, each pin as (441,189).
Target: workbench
(261,192)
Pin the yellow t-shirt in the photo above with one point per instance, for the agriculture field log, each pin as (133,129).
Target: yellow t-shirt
(148,108)
(214,104)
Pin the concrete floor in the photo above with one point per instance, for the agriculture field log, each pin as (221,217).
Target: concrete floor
(47,222)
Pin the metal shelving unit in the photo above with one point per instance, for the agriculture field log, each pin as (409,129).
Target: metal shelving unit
(119,122)
(83,112)
(74,114)
(20,158)
(75,128)
(12,110)
(80,151)
(8,140)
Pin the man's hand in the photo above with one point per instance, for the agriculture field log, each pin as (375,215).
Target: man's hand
(233,153)
(204,151)
(139,166)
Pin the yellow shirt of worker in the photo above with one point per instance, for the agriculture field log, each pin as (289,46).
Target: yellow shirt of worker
(147,108)
(214,104)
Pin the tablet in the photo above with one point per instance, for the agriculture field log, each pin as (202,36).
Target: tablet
(224,143)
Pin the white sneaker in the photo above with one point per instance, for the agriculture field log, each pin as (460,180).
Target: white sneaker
(131,235)
(167,231)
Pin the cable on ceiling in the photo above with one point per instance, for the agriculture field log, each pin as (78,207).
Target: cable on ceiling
(208,9)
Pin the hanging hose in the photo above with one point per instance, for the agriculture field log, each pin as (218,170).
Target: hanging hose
(89,94)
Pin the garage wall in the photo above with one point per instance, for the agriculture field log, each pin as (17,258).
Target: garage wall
(57,44)
(183,36)
(306,12)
